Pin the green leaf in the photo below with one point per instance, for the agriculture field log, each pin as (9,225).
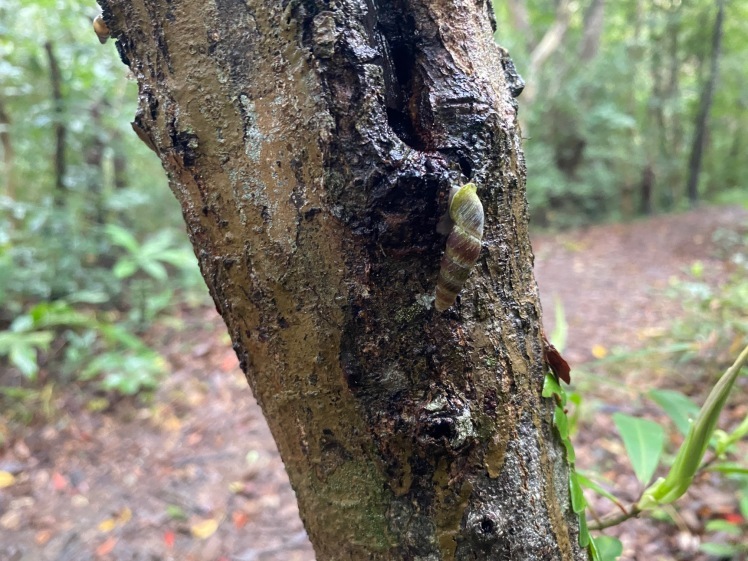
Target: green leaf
(723,444)
(584,532)
(719,549)
(578,502)
(723,526)
(644,441)
(561,422)
(175,512)
(571,455)
(123,238)
(588,483)
(155,269)
(551,387)
(677,406)
(691,452)
(23,357)
(125,268)
(608,548)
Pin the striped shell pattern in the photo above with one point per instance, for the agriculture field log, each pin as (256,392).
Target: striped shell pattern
(463,245)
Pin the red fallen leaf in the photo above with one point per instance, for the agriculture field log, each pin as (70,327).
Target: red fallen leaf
(733,518)
(169,538)
(559,366)
(239,519)
(59,481)
(229,362)
(106,547)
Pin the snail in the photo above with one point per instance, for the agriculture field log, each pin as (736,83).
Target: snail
(463,245)
(101,29)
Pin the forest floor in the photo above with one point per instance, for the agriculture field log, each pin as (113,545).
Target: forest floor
(194,475)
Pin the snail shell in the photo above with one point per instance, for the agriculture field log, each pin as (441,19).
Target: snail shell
(463,245)
(101,29)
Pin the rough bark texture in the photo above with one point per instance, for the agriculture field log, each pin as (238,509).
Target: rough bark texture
(312,146)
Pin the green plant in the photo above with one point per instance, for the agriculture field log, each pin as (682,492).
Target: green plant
(644,443)
(93,349)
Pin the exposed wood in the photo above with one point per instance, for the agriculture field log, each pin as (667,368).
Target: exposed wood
(312,151)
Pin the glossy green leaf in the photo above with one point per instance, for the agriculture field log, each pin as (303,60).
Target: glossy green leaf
(561,422)
(551,387)
(578,502)
(644,441)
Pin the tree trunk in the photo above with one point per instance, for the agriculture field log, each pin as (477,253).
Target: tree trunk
(59,123)
(312,151)
(702,118)
(594,21)
(8,157)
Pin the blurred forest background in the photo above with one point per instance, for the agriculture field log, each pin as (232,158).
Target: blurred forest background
(631,109)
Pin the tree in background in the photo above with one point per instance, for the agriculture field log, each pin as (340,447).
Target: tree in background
(312,151)
(619,98)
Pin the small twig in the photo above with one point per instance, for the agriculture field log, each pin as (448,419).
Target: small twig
(610,521)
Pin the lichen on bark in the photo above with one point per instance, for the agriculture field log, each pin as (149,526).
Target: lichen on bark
(312,145)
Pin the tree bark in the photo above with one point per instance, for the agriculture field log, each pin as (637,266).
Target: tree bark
(59,122)
(594,21)
(702,118)
(312,151)
(8,156)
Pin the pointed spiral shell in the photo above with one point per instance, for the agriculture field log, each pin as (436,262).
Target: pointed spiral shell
(463,245)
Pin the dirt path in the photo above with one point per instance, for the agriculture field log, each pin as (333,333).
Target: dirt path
(196,476)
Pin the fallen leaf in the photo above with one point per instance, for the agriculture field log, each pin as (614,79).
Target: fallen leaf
(598,351)
(169,538)
(239,519)
(42,537)
(124,515)
(107,525)
(204,529)
(733,518)
(122,518)
(6,479)
(59,481)
(229,362)
(106,546)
